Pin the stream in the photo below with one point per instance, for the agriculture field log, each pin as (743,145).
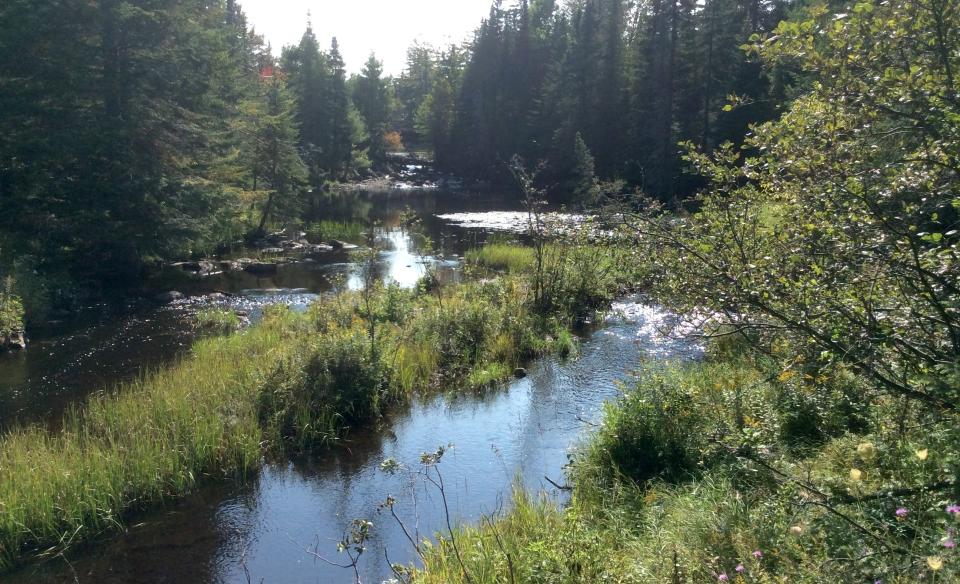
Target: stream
(273,527)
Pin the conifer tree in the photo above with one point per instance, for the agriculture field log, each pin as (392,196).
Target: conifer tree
(371,97)
(338,146)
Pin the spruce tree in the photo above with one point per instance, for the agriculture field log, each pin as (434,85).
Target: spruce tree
(370,94)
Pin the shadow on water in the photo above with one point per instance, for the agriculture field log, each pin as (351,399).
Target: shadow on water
(265,527)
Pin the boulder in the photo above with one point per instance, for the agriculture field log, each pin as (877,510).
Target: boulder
(519,372)
(319,248)
(261,268)
(201,268)
(14,341)
(341,245)
(168,297)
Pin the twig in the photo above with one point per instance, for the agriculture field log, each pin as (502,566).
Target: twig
(496,536)
(561,487)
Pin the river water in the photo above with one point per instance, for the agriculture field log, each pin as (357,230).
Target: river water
(101,345)
(273,527)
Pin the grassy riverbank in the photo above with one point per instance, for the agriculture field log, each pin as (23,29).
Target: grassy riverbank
(718,471)
(294,381)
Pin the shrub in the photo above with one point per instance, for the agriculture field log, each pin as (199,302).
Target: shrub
(653,432)
(11,314)
(323,390)
(217,319)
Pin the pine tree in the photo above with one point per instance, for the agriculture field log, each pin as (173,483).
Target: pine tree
(309,78)
(371,97)
(414,87)
(338,146)
(277,158)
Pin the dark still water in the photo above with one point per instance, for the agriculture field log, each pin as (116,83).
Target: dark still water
(103,345)
(263,528)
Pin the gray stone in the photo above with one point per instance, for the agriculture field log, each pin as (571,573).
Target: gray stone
(15,341)
(261,268)
(168,297)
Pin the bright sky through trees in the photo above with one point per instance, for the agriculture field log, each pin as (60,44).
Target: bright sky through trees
(384,26)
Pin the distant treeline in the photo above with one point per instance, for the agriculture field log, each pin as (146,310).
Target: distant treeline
(604,86)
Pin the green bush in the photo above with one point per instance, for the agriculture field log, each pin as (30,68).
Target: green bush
(11,314)
(323,390)
(652,432)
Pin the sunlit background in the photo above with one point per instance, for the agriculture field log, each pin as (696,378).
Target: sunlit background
(386,27)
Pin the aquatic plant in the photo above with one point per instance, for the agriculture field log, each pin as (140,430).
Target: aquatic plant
(217,319)
(327,230)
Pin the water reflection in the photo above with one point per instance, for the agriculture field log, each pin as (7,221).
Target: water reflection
(106,344)
(263,528)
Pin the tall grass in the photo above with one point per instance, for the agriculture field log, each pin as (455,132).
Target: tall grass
(327,230)
(217,319)
(678,485)
(503,256)
(151,440)
(293,381)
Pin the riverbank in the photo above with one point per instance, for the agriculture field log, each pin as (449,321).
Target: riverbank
(722,471)
(293,382)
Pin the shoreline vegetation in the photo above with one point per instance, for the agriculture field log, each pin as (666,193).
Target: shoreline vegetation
(818,441)
(11,319)
(292,382)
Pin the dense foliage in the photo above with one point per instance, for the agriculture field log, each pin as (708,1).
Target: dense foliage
(817,442)
(612,82)
(835,232)
(143,130)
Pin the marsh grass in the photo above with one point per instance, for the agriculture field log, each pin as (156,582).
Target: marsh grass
(503,256)
(327,230)
(149,441)
(294,381)
(669,489)
(217,319)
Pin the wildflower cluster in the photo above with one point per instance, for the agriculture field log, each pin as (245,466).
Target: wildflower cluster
(740,569)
